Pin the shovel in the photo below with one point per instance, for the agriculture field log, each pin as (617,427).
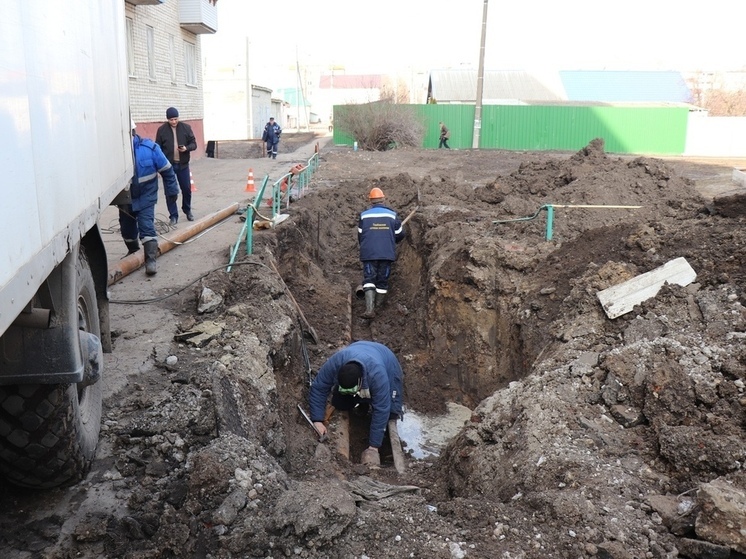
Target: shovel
(417,207)
(409,216)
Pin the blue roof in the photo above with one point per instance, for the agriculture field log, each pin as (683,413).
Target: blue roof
(625,86)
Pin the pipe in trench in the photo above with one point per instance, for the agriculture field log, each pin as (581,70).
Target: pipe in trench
(134,261)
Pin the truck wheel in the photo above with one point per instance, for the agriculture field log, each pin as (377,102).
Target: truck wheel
(49,432)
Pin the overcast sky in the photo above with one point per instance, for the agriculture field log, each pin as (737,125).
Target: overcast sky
(386,36)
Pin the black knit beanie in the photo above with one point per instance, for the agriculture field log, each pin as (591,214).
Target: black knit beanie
(349,374)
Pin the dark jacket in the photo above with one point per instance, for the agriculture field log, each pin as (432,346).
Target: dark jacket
(383,378)
(272,133)
(164,137)
(378,231)
(149,161)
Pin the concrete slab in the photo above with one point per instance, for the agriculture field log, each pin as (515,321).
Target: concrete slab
(621,298)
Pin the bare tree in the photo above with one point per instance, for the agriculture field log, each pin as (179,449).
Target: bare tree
(380,126)
(396,92)
(710,93)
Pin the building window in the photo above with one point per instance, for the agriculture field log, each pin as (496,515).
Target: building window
(150,34)
(172,57)
(190,63)
(130,48)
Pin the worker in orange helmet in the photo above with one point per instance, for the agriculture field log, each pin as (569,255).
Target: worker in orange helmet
(379,230)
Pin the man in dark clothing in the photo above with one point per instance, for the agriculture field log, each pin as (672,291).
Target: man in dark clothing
(361,373)
(176,140)
(378,231)
(137,219)
(271,135)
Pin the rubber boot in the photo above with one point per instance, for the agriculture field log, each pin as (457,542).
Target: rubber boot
(380,298)
(370,304)
(151,252)
(132,246)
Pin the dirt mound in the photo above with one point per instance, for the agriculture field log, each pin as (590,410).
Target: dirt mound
(589,437)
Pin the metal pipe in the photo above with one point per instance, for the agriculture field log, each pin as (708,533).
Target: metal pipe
(550,222)
(134,261)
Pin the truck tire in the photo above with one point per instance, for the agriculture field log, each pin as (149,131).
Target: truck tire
(49,432)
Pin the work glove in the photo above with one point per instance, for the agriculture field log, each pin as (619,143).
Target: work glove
(370,458)
(172,199)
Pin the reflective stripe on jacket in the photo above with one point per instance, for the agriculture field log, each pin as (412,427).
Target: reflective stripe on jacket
(378,231)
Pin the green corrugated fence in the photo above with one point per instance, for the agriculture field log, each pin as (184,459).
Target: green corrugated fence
(624,129)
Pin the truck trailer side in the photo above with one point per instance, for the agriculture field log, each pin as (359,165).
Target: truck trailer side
(66,154)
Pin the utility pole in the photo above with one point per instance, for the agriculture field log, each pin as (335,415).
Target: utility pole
(249,104)
(480,83)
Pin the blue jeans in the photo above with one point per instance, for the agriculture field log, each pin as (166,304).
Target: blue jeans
(185,184)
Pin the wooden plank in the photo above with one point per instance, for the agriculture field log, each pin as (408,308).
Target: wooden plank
(621,298)
(396,449)
(342,438)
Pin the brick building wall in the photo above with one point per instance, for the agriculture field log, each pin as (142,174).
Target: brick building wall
(150,97)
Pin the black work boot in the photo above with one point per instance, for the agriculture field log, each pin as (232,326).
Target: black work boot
(132,246)
(151,253)
(380,298)
(370,304)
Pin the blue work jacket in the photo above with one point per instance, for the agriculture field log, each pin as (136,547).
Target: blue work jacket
(378,231)
(383,379)
(149,161)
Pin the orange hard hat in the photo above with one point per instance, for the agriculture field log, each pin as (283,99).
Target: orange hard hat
(376,193)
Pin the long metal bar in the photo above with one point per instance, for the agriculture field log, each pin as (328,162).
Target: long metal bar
(321,437)
(550,214)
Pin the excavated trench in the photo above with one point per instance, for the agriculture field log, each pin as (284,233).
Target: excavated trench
(450,315)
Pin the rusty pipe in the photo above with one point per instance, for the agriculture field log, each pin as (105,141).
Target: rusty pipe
(134,261)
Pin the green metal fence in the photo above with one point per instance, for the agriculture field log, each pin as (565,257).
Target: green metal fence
(287,188)
(655,130)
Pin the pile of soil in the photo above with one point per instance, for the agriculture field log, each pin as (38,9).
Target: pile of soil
(589,436)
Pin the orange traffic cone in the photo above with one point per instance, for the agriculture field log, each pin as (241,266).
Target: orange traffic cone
(250,182)
(191,181)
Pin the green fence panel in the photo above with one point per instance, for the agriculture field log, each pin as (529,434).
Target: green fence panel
(624,129)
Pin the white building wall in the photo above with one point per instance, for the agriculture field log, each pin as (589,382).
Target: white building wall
(716,136)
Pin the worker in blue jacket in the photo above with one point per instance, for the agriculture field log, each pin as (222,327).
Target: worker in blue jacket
(271,136)
(361,373)
(137,219)
(378,231)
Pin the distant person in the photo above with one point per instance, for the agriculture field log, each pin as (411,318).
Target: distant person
(176,139)
(364,374)
(137,219)
(378,231)
(331,123)
(271,135)
(445,134)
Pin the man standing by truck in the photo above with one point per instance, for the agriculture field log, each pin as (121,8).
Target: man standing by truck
(137,219)
(176,140)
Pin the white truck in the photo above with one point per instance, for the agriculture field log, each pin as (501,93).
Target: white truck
(65,155)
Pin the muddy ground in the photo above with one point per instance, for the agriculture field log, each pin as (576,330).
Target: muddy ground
(586,436)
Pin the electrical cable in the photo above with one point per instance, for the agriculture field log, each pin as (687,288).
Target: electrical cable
(163,297)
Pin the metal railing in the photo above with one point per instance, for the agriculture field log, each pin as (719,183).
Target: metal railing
(289,187)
